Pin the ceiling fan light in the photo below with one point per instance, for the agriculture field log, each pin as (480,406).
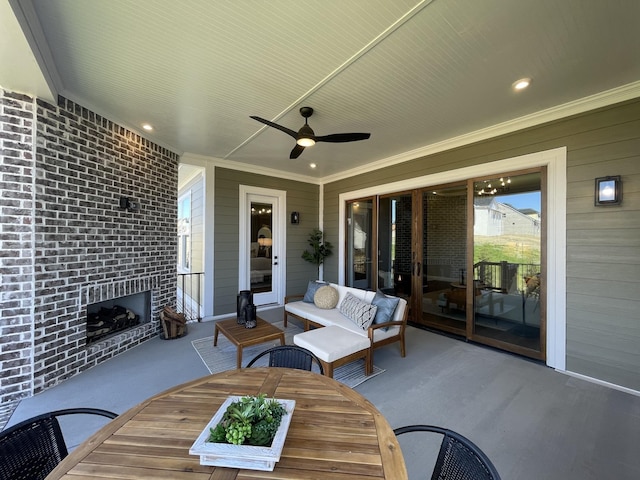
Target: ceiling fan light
(306,136)
(305,142)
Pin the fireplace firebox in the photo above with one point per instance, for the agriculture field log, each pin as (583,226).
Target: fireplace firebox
(116,315)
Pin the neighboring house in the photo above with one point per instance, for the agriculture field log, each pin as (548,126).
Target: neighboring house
(493,218)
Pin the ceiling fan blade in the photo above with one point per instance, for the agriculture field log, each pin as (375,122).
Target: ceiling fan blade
(286,130)
(343,137)
(297,150)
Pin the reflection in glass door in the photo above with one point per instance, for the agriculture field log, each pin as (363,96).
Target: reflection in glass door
(261,270)
(507,263)
(395,220)
(360,243)
(443,247)
(468,257)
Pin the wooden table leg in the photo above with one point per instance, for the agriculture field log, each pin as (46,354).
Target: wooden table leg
(239,357)
(215,336)
(282,339)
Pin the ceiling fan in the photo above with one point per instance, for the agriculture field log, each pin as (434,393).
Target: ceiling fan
(305,136)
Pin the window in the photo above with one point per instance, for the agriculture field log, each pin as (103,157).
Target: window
(184,232)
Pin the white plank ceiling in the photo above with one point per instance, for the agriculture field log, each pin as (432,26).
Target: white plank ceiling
(412,73)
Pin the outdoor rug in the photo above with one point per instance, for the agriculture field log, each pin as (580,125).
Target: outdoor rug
(223,356)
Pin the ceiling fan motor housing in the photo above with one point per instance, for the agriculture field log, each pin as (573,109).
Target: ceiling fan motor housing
(306,132)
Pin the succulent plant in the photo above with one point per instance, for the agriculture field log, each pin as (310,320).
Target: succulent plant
(252,420)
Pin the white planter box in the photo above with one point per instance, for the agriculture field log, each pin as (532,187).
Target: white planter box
(242,456)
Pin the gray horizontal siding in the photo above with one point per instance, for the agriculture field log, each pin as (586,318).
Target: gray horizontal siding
(603,250)
(301,197)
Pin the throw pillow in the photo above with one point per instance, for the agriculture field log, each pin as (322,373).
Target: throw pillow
(311,290)
(358,311)
(326,297)
(386,307)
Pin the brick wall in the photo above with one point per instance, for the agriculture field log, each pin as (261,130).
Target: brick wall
(16,249)
(404,222)
(445,235)
(78,242)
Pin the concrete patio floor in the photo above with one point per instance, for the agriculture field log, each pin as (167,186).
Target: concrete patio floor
(533,422)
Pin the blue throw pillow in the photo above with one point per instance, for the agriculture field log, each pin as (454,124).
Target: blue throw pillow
(386,307)
(311,290)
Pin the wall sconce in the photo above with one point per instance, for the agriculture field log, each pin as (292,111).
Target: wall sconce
(608,191)
(129,204)
(295,218)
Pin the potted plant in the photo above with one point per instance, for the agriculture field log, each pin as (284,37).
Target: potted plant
(246,432)
(249,420)
(319,249)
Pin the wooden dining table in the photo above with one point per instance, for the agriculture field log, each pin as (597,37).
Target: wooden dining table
(335,433)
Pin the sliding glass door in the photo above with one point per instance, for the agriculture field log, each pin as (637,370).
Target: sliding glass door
(395,248)
(443,256)
(468,257)
(361,243)
(507,262)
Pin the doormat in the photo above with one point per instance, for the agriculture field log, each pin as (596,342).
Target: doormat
(223,357)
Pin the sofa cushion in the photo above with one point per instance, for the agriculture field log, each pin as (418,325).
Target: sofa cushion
(331,343)
(334,317)
(359,311)
(365,295)
(312,288)
(386,306)
(316,315)
(326,297)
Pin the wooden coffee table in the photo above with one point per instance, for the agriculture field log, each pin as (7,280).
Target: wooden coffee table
(243,337)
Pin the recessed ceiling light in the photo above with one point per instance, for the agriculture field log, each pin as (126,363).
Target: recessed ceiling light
(521,84)
(147,127)
(312,165)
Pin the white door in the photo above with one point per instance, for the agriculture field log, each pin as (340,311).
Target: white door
(262,244)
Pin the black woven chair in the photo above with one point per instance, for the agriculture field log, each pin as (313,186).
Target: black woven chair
(459,458)
(31,449)
(289,356)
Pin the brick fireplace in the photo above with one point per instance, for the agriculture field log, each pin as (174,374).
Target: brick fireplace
(117,306)
(66,241)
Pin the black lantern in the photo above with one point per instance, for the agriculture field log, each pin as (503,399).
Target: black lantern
(251,320)
(245,297)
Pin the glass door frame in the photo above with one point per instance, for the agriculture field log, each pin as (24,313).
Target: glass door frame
(373,242)
(470,332)
(247,195)
(419,268)
(554,204)
(418,236)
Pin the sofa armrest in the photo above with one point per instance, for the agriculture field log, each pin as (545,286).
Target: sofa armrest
(287,299)
(401,323)
(292,298)
(372,328)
